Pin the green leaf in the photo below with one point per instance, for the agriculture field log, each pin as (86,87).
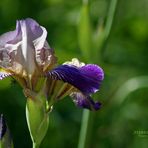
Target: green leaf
(128,87)
(85,31)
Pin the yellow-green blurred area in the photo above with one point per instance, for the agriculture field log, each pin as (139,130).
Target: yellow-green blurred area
(124,58)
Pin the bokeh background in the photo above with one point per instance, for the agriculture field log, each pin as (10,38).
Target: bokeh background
(122,53)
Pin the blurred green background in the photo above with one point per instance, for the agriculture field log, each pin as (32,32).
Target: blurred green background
(123,55)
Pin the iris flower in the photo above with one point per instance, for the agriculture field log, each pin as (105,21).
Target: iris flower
(26,56)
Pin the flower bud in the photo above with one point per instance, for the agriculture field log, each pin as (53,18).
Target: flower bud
(37,117)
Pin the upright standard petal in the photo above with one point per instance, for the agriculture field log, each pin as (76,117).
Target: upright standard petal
(25,50)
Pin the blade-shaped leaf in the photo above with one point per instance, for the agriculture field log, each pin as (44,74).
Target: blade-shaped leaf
(85,31)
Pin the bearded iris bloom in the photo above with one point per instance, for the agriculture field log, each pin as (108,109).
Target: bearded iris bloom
(26,56)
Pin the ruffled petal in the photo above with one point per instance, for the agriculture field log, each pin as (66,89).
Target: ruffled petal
(12,36)
(25,50)
(44,55)
(84,101)
(87,78)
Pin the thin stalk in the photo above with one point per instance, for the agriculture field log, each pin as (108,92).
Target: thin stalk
(35,145)
(86,129)
(109,24)
(84,132)
(110,17)
(87,118)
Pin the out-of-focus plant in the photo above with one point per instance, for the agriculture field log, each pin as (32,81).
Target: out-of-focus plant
(128,87)
(85,37)
(91,45)
(5,137)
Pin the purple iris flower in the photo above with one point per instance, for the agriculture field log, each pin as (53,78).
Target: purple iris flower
(26,56)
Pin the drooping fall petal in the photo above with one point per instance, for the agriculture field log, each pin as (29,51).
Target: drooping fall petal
(86,78)
(80,83)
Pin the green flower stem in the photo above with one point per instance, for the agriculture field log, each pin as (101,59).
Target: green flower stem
(108,25)
(35,145)
(110,17)
(103,32)
(87,118)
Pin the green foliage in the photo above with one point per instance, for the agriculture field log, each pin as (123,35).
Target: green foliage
(123,57)
(85,32)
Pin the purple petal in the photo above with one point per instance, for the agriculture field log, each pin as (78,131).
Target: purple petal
(7,37)
(30,26)
(11,37)
(25,49)
(4,75)
(85,101)
(87,78)
(33,28)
